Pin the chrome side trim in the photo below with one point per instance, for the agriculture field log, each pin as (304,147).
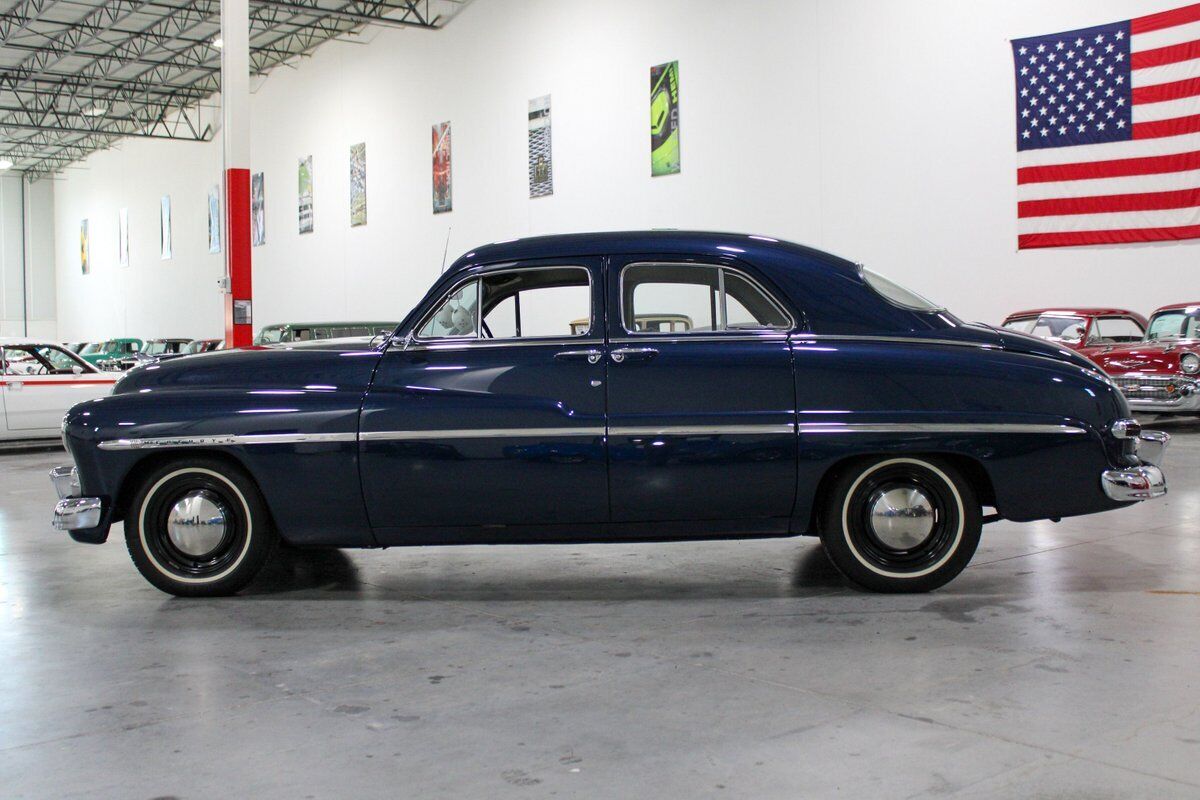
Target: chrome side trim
(701,430)
(935,427)
(158,442)
(805,338)
(469,344)
(478,433)
(730,336)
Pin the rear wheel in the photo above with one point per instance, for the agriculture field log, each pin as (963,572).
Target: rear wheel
(198,527)
(902,524)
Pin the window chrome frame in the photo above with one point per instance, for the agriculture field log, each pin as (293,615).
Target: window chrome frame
(725,331)
(441,342)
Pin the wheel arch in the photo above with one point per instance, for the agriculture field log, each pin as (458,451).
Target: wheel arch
(971,469)
(136,474)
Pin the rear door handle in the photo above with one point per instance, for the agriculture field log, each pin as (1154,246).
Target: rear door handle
(622,354)
(593,356)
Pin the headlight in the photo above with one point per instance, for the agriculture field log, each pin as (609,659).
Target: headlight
(1189,363)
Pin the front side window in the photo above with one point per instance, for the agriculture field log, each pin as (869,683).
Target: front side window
(456,316)
(34,360)
(691,298)
(1115,330)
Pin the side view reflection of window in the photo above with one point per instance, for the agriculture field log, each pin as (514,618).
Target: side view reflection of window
(691,298)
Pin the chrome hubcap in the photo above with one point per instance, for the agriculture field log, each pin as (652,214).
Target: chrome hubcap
(902,518)
(196,524)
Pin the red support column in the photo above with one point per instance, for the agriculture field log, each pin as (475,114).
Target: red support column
(239,327)
(235,141)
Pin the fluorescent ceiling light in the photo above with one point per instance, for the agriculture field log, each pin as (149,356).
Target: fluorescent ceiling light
(5,163)
(96,110)
(218,42)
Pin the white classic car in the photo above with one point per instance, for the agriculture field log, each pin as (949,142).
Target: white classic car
(39,381)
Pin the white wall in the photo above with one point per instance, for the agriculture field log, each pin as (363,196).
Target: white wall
(27,294)
(880,130)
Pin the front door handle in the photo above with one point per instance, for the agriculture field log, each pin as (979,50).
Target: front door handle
(593,356)
(622,354)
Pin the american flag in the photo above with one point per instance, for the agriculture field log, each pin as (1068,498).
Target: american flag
(1108,132)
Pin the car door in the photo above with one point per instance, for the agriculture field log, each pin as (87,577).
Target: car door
(39,386)
(492,412)
(701,418)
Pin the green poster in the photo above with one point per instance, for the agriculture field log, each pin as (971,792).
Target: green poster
(664,119)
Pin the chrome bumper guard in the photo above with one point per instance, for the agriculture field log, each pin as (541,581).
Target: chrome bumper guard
(73,512)
(1138,483)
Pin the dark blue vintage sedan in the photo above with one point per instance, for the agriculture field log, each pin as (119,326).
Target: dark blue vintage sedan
(612,387)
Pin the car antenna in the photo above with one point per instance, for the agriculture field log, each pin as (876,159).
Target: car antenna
(446,250)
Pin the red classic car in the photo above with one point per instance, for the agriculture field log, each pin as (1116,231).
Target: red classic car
(1087,330)
(1161,373)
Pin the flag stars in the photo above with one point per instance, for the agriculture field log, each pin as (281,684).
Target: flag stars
(1120,123)
(1079,42)
(1119,56)
(1041,48)
(1022,50)
(1024,134)
(1062,131)
(1119,35)
(1099,126)
(1058,45)
(1082,128)
(1099,38)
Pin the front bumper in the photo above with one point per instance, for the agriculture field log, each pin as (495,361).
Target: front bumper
(1145,482)
(73,513)
(1160,394)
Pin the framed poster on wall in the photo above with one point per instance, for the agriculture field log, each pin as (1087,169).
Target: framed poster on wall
(258,211)
(442,196)
(214,219)
(304,174)
(541,160)
(84,248)
(664,119)
(164,227)
(358,184)
(123,237)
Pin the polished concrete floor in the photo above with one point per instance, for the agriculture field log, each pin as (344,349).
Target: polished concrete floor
(1064,663)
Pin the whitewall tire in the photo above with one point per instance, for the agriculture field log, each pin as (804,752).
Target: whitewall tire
(198,527)
(901,524)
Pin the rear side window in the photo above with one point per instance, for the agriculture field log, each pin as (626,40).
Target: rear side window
(695,298)
(1116,330)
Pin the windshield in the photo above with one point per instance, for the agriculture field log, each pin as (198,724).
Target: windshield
(270,335)
(111,346)
(896,294)
(1057,327)
(1180,323)
(156,348)
(89,348)
(195,347)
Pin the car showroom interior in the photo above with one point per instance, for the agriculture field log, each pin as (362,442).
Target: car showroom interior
(599,399)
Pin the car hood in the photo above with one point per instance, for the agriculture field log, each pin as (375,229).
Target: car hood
(1151,357)
(329,365)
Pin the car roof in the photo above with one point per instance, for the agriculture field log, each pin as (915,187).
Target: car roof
(651,242)
(1077,311)
(1176,307)
(15,341)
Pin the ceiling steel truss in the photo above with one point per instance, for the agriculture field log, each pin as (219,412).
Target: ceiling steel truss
(76,75)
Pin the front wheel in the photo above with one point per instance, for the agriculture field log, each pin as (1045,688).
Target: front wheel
(901,524)
(198,527)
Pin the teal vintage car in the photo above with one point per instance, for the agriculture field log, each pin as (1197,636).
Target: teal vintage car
(112,350)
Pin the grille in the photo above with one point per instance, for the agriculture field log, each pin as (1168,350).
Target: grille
(1148,387)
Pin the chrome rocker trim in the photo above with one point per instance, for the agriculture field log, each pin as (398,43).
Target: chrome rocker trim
(1131,485)
(477,433)
(936,427)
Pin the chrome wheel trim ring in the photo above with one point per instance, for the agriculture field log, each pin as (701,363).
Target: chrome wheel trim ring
(236,494)
(196,524)
(901,517)
(958,532)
